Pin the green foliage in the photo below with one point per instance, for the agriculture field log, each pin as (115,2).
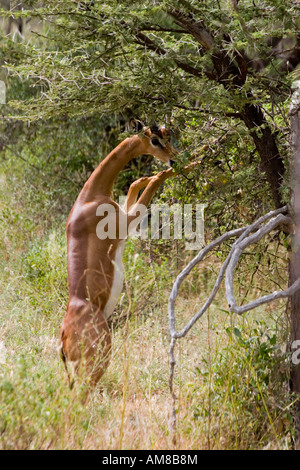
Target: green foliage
(45,264)
(94,58)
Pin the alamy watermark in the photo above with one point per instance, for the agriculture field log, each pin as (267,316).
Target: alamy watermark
(296,354)
(2,92)
(156,222)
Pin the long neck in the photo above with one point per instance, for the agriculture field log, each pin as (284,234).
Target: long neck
(102,179)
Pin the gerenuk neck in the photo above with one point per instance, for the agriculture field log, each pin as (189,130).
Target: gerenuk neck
(102,179)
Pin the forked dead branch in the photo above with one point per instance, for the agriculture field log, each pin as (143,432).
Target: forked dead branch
(246,236)
(95,267)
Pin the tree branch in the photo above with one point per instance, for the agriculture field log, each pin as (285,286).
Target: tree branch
(160,29)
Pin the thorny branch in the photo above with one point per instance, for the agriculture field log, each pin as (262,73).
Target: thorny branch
(246,236)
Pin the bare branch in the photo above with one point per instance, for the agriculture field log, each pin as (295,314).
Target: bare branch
(236,252)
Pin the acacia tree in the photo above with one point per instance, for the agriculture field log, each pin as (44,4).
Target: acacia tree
(152,57)
(221,71)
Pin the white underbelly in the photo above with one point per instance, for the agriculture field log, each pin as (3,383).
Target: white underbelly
(117,281)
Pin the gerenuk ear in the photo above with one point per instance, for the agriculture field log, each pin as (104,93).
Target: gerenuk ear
(135,125)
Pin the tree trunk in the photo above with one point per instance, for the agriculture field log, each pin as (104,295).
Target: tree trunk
(266,146)
(295,255)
